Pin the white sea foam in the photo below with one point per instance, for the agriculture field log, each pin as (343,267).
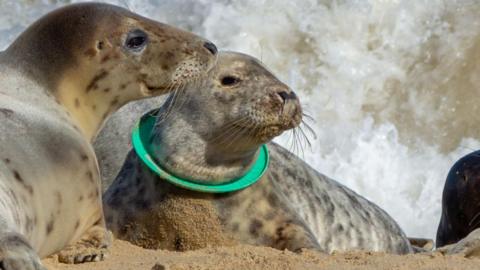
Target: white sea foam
(393,85)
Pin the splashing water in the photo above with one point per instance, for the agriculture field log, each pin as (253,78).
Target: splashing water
(392,85)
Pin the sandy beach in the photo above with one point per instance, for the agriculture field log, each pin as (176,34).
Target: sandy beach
(125,256)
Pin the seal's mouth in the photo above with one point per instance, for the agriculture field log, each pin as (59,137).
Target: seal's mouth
(156,88)
(263,133)
(149,90)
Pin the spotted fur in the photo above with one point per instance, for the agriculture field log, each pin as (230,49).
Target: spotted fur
(292,206)
(51,107)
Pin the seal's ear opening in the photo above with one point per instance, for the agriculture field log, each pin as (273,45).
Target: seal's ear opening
(136,40)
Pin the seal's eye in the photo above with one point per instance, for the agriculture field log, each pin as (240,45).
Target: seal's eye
(229,80)
(136,40)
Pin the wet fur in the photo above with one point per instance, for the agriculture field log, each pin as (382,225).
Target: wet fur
(460,201)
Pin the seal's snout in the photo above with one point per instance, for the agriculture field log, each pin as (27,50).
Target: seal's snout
(289,108)
(210,47)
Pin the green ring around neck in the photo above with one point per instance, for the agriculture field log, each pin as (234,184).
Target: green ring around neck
(141,134)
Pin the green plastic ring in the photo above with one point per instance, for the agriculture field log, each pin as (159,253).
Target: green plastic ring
(141,134)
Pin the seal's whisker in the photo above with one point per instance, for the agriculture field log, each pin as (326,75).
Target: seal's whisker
(226,136)
(228,140)
(304,135)
(306,140)
(178,96)
(298,144)
(242,131)
(309,117)
(293,143)
(195,84)
(173,100)
(232,126)
(233,136)
(290,140)
(162,115)
(219,138)
(236,137)
(183,96)
(249,132)
(309,129)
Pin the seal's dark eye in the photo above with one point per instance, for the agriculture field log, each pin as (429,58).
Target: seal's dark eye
(229,80)
(136,40)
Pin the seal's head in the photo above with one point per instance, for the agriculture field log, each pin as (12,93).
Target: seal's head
(215,133)
(247,97)
(99,56)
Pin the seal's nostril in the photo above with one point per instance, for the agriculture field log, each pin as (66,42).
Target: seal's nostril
(211,47)
(284,95)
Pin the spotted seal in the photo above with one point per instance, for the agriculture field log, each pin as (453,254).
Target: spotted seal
(59,80)
(217,135)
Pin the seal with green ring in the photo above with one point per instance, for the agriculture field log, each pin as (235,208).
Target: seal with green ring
(140,136)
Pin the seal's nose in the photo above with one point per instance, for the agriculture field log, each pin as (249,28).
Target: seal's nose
(211,47)
(286,96)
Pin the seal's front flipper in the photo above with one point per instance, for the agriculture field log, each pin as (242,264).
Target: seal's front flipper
(468,247)
(17,254)
(294,237)
(92,247)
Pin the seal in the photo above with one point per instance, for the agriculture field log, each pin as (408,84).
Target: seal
(113,141)
(468,247)
(59,80)
(460,201)
(215,139)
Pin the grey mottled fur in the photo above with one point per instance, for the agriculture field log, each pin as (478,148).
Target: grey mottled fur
(113,141)
(59,80)
(319,212)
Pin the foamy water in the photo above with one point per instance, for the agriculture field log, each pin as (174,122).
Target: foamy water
(393,86)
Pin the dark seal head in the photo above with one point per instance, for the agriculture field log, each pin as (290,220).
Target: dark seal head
(460,201)
(88,52)
(249,107)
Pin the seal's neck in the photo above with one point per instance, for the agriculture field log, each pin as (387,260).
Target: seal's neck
(88,87)
(61,54)
(180,146)
(91,94)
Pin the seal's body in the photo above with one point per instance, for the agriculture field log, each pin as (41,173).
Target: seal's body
(339,218)
(215,137)
(460,201)
(58,81)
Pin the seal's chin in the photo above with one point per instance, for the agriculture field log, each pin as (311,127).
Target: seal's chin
(267,133)
(263,132)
